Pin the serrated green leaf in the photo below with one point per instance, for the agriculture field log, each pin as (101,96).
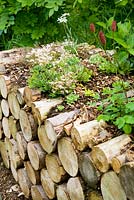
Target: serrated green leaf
(130,106)
(120,122)
(127,128)
(129,119)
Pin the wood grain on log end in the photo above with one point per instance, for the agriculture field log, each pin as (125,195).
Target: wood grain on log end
(55,168)
(62,193)
(37,192)
(36,155)
(75,189)
(33,175)
(47,184)
(24,182)
(68,156)
(126,176)
(111,187)
(14,105)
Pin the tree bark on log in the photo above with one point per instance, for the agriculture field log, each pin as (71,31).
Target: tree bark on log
(38,192)
(62,193)
(111,187)
(102,154)
(22,145)
(36,155)
(28,125)
(47,184)
(41,108)
(33,175)
(101,137)
(55,168)
(0,112)
(68,156)
(75,189)
(54,128)
(14,105)
(83,133)
(6,128)
(31,95)
(88,171)
(5,84)
(126,176)
(24,182)
(4,154)
(14,126)
(5,107)
(1,130)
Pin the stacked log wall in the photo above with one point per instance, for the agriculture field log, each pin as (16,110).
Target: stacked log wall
(60,157)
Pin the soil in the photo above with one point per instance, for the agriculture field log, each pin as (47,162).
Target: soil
(19,74)
(9,189)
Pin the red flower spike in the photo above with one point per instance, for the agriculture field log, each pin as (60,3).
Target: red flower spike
(113,26)
(92,28)
(102,37)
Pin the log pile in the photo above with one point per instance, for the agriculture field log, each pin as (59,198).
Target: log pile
(61,157)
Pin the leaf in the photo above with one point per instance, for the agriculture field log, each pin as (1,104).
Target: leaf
(102,24)
(3,20)
(131,51)
(124,29)
(130,41)
(51,12)
(129,119)
(109,22)
(104,117)
(130,106)
(127,128)
(121,42)
(120,122)
(120,2)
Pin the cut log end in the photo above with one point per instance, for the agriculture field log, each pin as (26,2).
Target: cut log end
(68,156)
(38,192)
(55,168)
(100,159)
(111,187)
(48,184)
(75,189)
(24,182)
(36,155)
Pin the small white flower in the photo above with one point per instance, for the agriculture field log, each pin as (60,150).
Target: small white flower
(63,18)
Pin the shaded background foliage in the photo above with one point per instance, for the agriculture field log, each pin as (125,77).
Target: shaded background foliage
(29,22)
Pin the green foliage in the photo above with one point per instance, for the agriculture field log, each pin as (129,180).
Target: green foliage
(35,21)
(60,107)
(117,108)
(72,98)
(59,79)
(91,93)
(124,36)
(120,63)
(121,39)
